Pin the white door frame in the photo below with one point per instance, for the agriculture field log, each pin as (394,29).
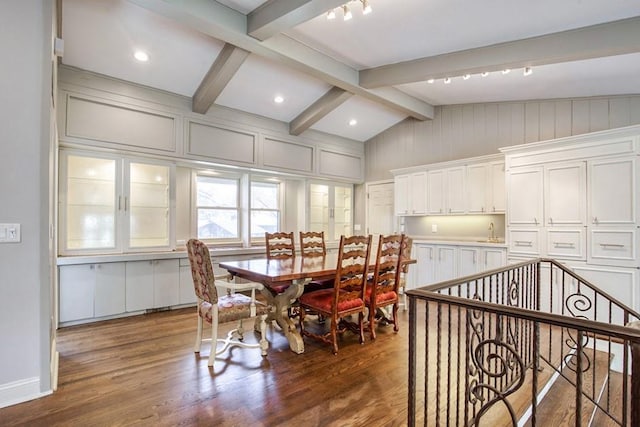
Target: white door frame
(366,190)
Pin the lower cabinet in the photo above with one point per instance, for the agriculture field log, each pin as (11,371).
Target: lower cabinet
(152,284)
(438,263)
(91,290)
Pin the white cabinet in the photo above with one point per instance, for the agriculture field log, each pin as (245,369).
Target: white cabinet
(411,194)
(331,209)
(186,291)
(612,191)
(152,284)
(456,195)
(498,192)
(445,263)
(436,192)
(425,265)
(472,260)
(111,204)
(91,290)
(525,196)
(565,195)
(485,188)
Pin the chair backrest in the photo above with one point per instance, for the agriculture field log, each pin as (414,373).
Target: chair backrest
(407,243)
(202,271)
(386,277)
(280,245)
(312,243)
(352,269)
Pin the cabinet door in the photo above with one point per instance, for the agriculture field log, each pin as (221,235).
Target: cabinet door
(497,197)
(165,282)
(418,192)
(525,198)
(186,294)
(456,193)
(493,258)
(139,285)
(77,291)
(425,267)
(468,259)
(446,263)
(612,191)
(478,188)
(435,192)
(110,289)
(401,197)
(565,194)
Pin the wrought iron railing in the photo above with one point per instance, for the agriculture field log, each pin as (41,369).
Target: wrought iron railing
(522,345)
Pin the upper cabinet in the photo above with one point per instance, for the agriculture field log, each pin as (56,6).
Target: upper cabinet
(612,191)
(468,186)
(111,204)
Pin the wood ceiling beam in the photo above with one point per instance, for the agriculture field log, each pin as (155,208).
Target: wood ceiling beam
(612,38)
(316,111)
(222,70)
(276,16)
(230,26)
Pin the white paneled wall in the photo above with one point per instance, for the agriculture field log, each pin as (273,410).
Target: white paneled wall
(471,130)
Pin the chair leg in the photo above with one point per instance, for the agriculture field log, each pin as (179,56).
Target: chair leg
(240,330)
(214,337)
(264,344)
(196,347)
(361,324)
(334,334)
(372,322)
(404,300)
(396,327)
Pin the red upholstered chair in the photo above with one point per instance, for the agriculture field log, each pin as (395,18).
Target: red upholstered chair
(347,296)
(312,245)
(216,309)
(383,289)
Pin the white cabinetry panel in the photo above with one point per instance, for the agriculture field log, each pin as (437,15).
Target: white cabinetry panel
(216,142)
(525,201)
(612,191)
(151,284)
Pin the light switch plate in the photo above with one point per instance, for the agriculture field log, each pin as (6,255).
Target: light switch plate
(10,233)
(434,228)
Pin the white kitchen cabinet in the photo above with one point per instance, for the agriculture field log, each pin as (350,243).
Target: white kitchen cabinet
(565,196)
(425,265)
(186,291)
(475,259)
(478,188)
(498,193)
(445,263)
(525,201)
(456,195)
(612,191)
(152,284)
(436,192)
(401,194)
(411,194)
(91,290)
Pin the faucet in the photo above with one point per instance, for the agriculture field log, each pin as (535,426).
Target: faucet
(492,233)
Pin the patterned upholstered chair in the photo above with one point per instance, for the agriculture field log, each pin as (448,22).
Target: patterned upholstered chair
(216,309)
(383,289)
(347,297)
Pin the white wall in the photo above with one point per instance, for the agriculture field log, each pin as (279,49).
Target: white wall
(25,85)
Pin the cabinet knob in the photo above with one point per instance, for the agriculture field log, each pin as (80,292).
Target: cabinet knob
(550,220)
(595,220)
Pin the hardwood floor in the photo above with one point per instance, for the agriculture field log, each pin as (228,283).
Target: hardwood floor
(142,371)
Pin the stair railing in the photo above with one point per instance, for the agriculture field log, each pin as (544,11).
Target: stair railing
(491,347)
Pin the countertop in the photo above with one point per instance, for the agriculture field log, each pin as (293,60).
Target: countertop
(459,241)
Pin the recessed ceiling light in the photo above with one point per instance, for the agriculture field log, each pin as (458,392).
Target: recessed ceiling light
(430,81)
(353,122)
(278,99)
(141,55)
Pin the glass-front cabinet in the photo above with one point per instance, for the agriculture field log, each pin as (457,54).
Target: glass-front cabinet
(331,209)
(111,204)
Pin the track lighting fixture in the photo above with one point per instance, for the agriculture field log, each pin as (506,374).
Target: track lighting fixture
(527,71)
(346,11)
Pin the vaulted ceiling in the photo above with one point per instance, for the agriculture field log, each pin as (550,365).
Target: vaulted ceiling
(375,69)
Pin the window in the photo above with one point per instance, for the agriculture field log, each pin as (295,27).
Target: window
(265,208)
(217,207)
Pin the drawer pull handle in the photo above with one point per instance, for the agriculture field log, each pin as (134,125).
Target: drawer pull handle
(563,245)
(524,243)
(611,245)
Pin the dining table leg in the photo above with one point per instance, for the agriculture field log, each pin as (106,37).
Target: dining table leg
(281,303)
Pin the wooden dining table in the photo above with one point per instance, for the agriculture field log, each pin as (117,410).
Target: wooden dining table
(284,281)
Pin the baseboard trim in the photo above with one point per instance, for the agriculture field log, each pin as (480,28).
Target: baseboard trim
(21,391)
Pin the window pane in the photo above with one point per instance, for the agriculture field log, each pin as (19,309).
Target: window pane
(149,205)
(217,192)
(264,221)
(217,224)
(264,195)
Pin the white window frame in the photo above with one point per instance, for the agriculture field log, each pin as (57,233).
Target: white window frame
(280,208)
(238,209)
